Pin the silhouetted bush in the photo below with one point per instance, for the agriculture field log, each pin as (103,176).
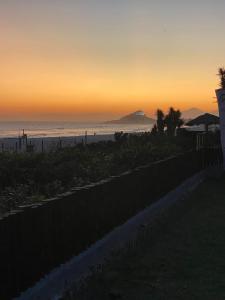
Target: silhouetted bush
(26,177)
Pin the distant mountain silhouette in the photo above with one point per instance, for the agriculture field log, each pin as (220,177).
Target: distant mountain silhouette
(137,117)
(191,113)
(215,112)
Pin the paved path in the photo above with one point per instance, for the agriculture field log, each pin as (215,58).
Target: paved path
(184,259)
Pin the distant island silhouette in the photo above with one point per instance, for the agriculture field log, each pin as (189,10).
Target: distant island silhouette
(137,117)
(191,113)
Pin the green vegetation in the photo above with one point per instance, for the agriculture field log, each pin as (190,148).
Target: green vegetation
(30,177)
(172,121)
(182,259)
(160,121)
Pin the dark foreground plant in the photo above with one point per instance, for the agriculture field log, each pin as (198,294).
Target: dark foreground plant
(30,177)
(222,77)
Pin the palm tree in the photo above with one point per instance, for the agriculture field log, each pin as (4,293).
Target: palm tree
(154,130)
(173,121)
(222,77)
(160,121)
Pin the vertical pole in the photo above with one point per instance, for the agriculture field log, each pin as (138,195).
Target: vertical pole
(20,143)
(85,137)
(26,141)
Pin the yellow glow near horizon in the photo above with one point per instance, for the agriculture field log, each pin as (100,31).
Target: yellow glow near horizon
(73,70)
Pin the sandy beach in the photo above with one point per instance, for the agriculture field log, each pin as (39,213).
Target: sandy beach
(51,143)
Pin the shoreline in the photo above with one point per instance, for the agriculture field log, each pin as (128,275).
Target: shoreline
(48,143)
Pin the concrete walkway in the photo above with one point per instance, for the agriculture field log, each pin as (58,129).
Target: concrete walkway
(183,259)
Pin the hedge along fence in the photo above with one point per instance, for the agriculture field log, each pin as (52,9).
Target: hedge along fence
(41,237)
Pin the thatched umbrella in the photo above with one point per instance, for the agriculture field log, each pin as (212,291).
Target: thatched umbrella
(205,119)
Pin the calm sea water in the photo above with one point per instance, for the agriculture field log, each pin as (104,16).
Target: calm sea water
(62,129)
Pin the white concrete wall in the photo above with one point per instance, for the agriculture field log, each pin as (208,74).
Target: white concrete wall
(220,94)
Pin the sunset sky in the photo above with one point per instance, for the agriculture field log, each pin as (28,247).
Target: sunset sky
(100,59)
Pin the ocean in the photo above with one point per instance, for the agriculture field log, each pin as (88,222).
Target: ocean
(65,129)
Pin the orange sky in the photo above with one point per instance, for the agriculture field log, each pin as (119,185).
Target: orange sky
(100,60)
